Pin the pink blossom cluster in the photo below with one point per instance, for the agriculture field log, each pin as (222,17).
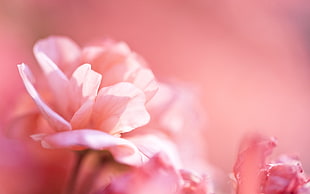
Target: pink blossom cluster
(101,113)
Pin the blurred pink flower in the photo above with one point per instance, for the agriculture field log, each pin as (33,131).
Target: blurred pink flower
(84,110)
(158,175)
(254,174)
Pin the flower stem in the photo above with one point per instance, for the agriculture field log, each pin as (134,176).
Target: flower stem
(80,155)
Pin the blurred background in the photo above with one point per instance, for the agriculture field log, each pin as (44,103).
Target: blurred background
(250,60)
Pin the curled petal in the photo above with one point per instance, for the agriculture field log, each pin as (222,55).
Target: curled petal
(119,64)
(105,55)
(54,119)
(83,88)
(61,50)
(152,144)
(130,70)
(48,66)
(251,160)
(57,80)
(285,175)
(154,177)
(255,175)
(84,85)
(82,116)
(120,108)
(121,149)
(145,80)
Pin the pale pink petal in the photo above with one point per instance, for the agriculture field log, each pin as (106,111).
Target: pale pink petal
(304,189)
(119,72)
(24,125)
(282,178)
(164,97)
(175,108)
(145,80)
(157,176)
(39,136)
(57,80)
(61,50)
(251,160)
(152,144)
(130,70)
(121,149)
(84,85)
(195,184)
(285,175)
(54,119)
(118,64)
(81,117)
(105,55)
(120,108)
(90,54)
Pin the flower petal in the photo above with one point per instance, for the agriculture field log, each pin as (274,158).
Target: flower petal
(130,70)
(54,119)
(152,144)
(83,89)
(120,108)
(251,160)
(61,50)
(119,64)
(105,55)
(285,175)
(82,116)
(121,149)
(145,80)
(84,85)
(155,176)
(57,80)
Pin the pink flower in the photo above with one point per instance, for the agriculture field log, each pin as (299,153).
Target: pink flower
(254,174)
(158,175)
(85,109)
